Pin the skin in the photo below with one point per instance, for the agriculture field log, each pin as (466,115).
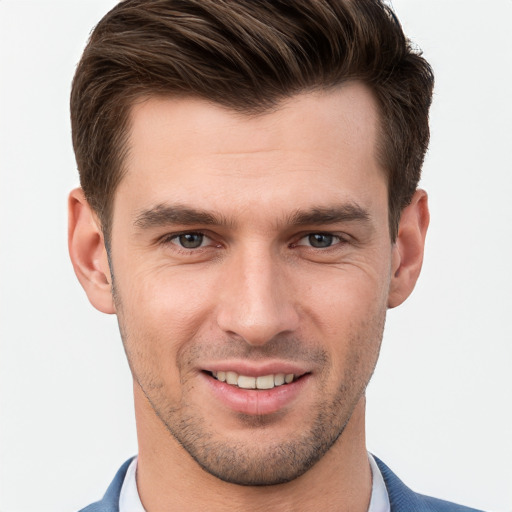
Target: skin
(269,286)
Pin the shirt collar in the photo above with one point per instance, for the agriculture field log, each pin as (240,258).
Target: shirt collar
(129,499)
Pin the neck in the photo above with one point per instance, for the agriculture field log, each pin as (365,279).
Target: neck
(168,478)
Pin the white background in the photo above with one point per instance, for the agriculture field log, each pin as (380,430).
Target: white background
(439,406)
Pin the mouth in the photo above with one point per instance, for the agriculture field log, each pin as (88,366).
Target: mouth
(257,391)
(263,382)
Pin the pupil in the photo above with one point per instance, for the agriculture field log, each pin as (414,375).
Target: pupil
(191,240)
(319,240)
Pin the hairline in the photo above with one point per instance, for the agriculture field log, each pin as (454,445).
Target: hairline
(135,99)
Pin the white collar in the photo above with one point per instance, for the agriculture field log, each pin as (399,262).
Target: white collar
(129,499)
(379,501)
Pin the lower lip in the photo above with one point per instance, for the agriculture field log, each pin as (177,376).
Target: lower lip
(253,401)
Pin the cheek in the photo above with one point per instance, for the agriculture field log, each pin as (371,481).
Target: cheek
(158,315)
(348,316)
(341,296)
(164,299)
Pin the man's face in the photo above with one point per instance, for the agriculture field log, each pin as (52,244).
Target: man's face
(253,252)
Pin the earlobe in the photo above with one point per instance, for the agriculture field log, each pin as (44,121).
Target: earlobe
(408,249)
(88,253)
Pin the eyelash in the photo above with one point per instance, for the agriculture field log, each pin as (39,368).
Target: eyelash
(169,239)
(339,240)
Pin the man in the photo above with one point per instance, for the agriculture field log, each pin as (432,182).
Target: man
(249,210)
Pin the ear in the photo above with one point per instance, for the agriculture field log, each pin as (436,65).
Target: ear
(408,249)
(88,253)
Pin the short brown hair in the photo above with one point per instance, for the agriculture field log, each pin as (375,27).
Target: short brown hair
(246,55)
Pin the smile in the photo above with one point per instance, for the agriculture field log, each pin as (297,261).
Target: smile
(247,382)
(257,391)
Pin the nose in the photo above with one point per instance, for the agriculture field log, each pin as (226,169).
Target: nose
(257,301)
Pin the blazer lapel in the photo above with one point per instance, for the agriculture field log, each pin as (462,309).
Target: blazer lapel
(401,498)
(110,501)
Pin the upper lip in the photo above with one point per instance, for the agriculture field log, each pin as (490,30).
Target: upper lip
(252,369)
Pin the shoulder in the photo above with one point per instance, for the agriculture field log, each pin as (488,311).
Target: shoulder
(445,506)
(110,501)
(403,499)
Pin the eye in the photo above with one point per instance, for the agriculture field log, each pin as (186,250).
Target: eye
(190,240)
(319,240)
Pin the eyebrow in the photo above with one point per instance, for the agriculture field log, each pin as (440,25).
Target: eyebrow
(163,214)
(329,215)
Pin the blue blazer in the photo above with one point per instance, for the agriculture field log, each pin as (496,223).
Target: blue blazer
(401,498)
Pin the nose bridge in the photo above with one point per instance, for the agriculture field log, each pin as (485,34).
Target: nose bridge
(257,302)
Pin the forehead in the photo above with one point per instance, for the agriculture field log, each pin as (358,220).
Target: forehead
(329,119)
(310,147)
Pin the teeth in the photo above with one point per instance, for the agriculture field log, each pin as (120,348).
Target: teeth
(232,378)
(279,379)
(246,382)
(264,382)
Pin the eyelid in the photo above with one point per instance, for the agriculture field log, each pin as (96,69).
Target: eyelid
(169,238)
(341,239)
(336,238)
(334,234)
(204,239)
